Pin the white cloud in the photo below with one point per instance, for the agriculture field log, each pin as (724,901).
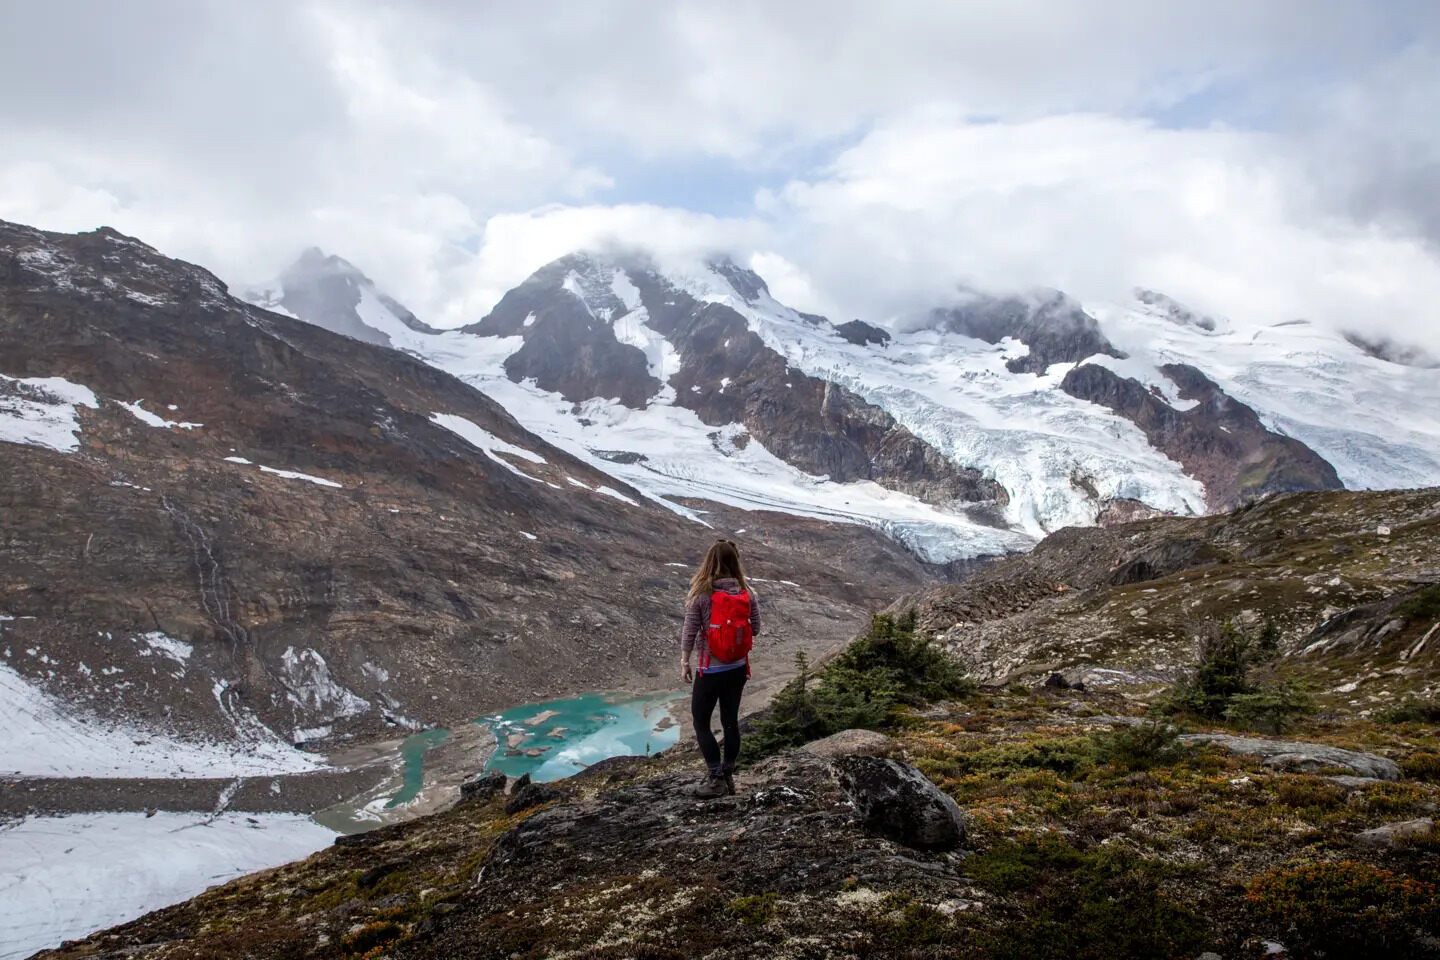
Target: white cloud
(1095,206)
(448,149)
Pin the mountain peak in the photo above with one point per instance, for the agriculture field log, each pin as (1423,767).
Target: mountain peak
(333,293)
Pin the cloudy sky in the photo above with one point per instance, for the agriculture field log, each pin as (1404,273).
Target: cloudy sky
(1264,160)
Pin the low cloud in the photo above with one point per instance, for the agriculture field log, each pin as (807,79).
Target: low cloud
(1262,161)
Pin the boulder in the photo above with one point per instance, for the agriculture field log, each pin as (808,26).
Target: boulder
(517,783)
(1301,757)
(531,795)
(847,743)
(899,802)
(483,787)
(1393,834)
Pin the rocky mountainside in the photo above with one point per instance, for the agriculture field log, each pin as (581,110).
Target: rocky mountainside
(1219,441)
(1040,814)
(586,326)
(1054,328)
(223,526)
(985,424)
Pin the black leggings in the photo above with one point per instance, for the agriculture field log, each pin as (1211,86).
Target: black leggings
(724,688)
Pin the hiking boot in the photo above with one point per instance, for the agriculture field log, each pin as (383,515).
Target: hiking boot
(728,775)
(711,787)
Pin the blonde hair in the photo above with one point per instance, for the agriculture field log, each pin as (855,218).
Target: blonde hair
(721,560)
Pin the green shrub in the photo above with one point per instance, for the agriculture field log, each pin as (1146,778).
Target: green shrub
(1423,604)
(1222,673)
(1421,766)
(1411,711)
(889,667)
(372,935)
(1311,794)
(1271,709)
(1219,686)
(1139,748)
(1345,910)
(1066,756)
(752,911)
(1102,903)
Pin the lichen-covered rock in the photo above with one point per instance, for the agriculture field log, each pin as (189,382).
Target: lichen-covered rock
(483,787)
(1297,755)
(846,743)
(1393,834)
(898,801)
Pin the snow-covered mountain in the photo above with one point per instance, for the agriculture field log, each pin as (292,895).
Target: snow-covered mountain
(969,431)
(332,293)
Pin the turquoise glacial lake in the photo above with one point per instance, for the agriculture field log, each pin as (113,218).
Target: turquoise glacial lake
(555,739)
(559,738)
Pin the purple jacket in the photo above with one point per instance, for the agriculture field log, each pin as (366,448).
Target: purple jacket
(697,615)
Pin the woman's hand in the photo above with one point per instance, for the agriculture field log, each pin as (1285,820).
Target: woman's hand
(686,673)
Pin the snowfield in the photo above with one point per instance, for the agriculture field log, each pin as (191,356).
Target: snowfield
(64,877)
(42,737)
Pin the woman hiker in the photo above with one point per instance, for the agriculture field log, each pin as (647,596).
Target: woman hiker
(721,617)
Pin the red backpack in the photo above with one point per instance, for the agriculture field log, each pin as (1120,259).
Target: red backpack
(729,638)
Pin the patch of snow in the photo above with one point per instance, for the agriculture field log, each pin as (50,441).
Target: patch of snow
(612,492)
(40,736)
(288,474)
(65,877)
(41,412)
(489,444)
(577,483)
(295,475)
(528,536)
(625,290)
(529,319)
(661,358)
(308,685)
(154,420)
(168,646)
(571,285)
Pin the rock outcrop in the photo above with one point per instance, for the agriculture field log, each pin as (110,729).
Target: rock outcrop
(848,743)
(1300,756)
(1218,440)
(897,801)
(1053,326)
